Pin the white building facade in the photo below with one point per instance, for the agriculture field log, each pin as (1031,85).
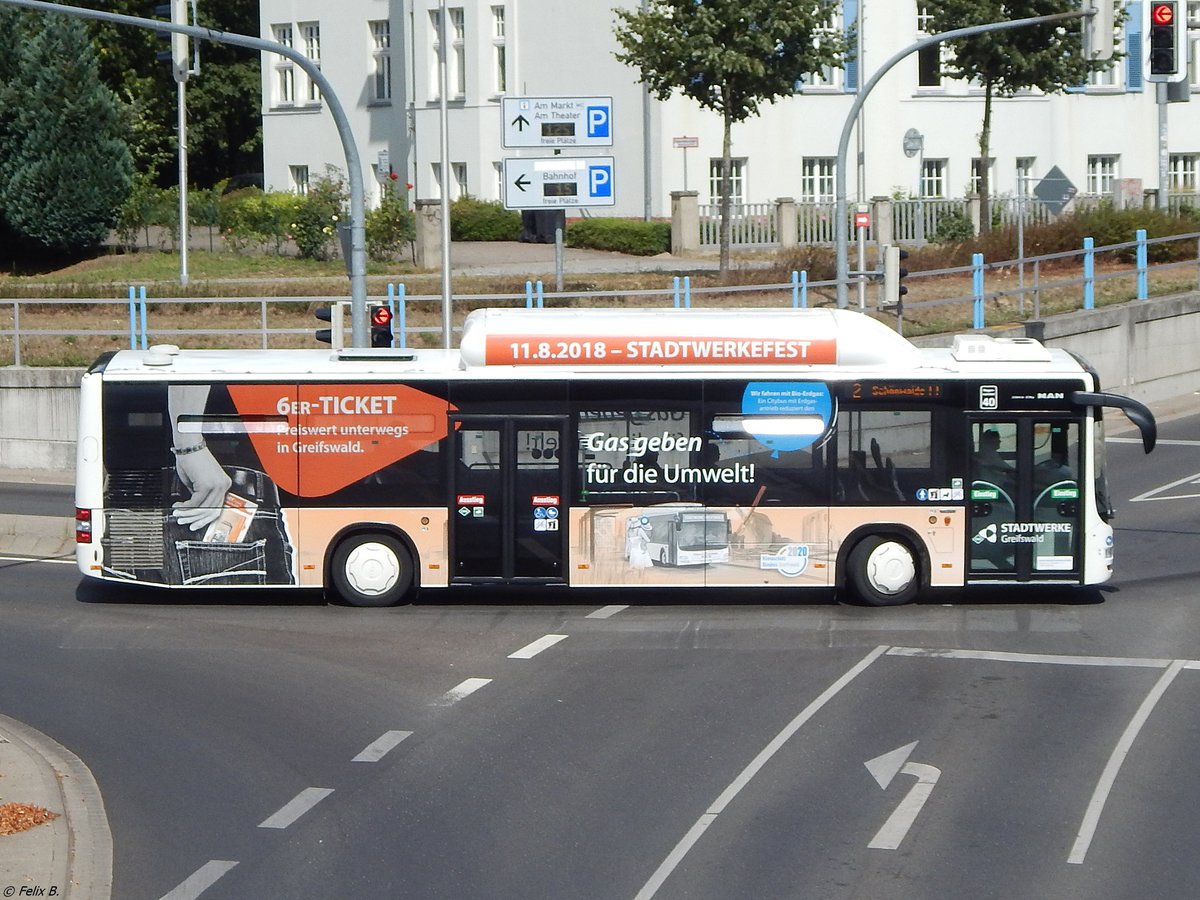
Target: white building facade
(382,58)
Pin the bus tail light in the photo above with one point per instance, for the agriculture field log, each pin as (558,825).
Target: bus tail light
(83,526)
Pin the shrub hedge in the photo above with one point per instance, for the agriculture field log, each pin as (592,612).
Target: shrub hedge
(631,236)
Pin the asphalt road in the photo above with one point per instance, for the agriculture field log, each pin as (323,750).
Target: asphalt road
(1019,744)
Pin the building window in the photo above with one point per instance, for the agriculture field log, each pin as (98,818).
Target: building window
(381,60)
(499,52)
(458,171)
(298,175)
(1101,173)
(976,186)
(1104,78)
(737,180)
(285,70)
(499,175)
(933,178)
(458,71)
(1182,167)
(456,63)
(1025,179)
(929,60)
(310,32)
(816,179)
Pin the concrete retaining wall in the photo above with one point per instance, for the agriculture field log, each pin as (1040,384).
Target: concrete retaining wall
(1149,350)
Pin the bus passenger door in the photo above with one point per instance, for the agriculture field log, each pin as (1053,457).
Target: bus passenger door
(1024,499)
(507,519)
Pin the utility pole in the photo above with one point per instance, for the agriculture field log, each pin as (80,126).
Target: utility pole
(180,67)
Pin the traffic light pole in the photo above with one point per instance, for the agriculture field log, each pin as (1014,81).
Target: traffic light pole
(358,234)
(840,224)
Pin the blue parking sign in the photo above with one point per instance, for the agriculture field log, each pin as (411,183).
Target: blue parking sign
(597,121)
(599,181)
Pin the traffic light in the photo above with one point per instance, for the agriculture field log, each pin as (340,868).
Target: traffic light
(894,271)
(177,12)
(1164,37)
(335,334)
(381,326)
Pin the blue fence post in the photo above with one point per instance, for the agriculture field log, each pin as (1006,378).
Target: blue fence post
(142,303)
(132,317)
(795,289)
(1143,286)
(402,313)
(977,287)
(804,289)
(1089,273)
(687,291)
(529,295)
(540,300)
(676,281)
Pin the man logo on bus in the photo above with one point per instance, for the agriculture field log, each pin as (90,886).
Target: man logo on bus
(988,533)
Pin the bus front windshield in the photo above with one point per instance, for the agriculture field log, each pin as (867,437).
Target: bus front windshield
(702,533)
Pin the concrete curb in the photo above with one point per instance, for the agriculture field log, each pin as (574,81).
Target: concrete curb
(74,852)
(44,537)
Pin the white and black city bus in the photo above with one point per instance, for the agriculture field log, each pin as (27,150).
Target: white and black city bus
(799,448)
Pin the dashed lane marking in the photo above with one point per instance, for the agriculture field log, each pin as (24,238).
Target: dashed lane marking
(296,807)
(468,687)
(529,651)
(606,612)
(382,746)
(200,880)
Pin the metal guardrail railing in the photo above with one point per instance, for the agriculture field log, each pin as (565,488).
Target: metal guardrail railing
(138,321)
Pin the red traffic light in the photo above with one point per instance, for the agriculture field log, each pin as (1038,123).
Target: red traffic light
(1162,13)
(381,316)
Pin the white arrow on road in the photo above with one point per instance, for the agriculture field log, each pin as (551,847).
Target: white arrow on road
(884,768)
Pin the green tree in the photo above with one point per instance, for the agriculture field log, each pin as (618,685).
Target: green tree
(224,100)
(65,168)
(1048,58)
(730,56)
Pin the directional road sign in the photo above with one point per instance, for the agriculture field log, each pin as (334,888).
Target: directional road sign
(557,121)
(558,181)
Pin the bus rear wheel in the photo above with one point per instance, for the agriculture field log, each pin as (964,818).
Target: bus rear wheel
(371,569)
(883,571)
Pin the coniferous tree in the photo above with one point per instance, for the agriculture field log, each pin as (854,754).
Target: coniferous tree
(64,165)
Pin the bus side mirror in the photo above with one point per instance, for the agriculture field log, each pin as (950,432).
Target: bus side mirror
(1137,413)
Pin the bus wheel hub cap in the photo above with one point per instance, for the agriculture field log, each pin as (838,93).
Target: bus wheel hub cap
(372,568)
(890,568)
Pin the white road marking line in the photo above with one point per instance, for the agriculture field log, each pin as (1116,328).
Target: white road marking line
(650,888)
(1091,818)
(1044,658)
(1150,495)
(606,612)
(529,651)
(468,687)
(296,807)
(200,880)
(383,745)
(894,830)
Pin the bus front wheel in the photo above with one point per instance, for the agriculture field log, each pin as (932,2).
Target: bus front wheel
(371,569)
(883,571)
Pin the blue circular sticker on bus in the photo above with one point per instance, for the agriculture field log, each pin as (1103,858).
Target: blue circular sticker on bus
(787,415)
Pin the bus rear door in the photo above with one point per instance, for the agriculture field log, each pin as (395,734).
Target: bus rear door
(1024,499)
(507,516)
